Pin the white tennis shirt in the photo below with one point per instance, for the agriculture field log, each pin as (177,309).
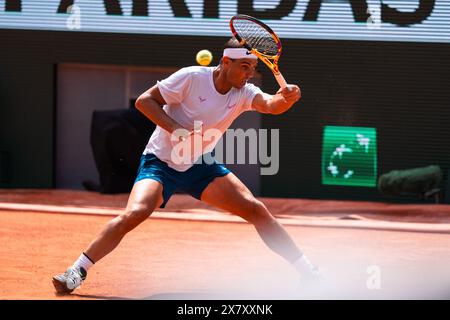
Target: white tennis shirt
(191,96)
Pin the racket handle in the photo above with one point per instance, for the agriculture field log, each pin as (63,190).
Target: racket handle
(280,80)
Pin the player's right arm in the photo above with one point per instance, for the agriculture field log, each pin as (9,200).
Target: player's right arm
(278,103)
(150,103)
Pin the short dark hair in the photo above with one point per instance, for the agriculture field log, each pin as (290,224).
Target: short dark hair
(232,43)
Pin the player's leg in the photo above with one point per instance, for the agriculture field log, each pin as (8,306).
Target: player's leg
(230,194)
(146,195)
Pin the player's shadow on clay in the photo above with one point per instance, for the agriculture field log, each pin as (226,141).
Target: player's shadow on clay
(100,297)
(187,296)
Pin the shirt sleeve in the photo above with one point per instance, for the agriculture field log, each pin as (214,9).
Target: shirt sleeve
(250,91)
(175,88)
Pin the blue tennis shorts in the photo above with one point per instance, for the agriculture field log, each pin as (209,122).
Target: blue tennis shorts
(192,181)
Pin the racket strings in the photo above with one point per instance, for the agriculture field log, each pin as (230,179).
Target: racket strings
(256,36)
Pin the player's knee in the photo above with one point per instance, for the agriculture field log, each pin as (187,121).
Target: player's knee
(133,217)
(259,212)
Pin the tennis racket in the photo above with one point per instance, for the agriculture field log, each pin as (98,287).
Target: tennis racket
(259,39)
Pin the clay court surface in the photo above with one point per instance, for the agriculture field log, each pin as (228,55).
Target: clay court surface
(189,251)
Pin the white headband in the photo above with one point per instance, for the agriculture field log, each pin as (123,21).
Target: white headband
(238,53)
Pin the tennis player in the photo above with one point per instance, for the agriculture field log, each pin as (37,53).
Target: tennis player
(215,96)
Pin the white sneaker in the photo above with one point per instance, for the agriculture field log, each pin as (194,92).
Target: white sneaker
(312,282)
(70,280)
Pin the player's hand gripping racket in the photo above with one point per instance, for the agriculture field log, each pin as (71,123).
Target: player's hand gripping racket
(259,39)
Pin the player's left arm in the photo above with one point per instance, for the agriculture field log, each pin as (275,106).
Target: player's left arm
(278,103)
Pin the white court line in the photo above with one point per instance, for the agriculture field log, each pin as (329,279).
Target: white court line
(224,217)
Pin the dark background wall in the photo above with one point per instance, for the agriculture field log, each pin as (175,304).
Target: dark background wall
(402,89)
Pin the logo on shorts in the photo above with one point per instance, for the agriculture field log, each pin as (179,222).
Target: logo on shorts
(231,106)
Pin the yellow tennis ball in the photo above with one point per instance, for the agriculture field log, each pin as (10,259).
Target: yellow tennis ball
(204,57)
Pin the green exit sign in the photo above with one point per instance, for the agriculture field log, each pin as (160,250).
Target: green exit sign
(349,156)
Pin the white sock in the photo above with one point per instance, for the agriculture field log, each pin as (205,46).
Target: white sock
(303,265)
(83,262)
